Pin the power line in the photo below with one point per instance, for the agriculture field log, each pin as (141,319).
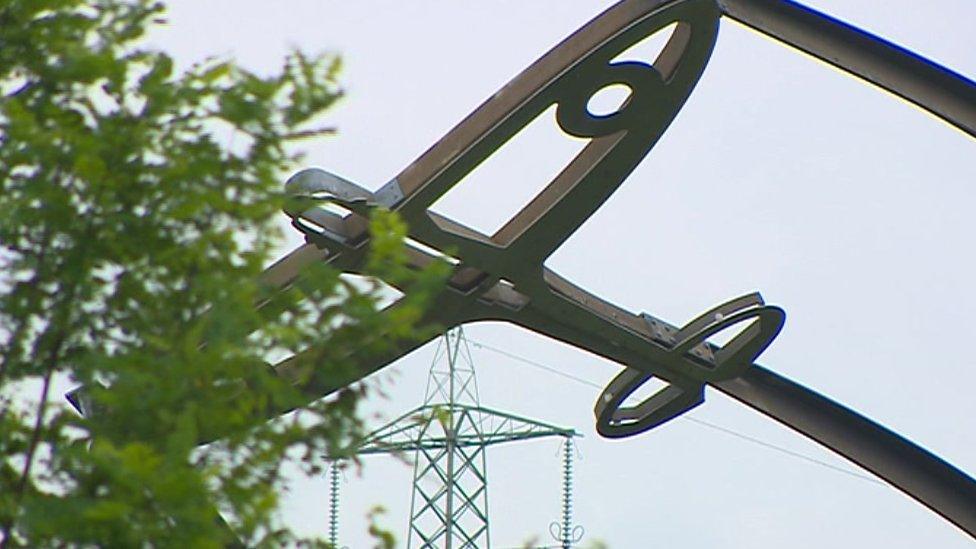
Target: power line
(539,365)
(699,422)
(786,451)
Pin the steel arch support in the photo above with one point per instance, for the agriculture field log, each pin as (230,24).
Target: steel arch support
(502,277)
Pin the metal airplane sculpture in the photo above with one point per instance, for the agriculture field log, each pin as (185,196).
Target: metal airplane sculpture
(501,277)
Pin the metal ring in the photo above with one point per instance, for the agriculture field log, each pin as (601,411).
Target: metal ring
(616,421)
(575,118)
(736,356)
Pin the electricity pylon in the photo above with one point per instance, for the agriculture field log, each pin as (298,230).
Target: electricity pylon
(448,435)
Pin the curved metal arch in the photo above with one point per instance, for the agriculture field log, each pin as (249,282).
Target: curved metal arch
(946,94)
(502,277)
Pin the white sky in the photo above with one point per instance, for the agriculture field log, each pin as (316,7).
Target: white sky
(843,205)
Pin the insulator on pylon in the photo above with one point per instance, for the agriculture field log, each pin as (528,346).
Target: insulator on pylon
(564,532)
(334,504)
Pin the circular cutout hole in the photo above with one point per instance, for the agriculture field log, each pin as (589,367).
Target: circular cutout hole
(608,100)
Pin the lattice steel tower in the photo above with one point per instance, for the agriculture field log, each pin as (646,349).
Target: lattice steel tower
(448,435)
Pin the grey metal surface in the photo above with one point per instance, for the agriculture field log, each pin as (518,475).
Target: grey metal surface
(502,277)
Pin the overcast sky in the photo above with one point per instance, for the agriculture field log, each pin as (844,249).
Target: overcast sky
(845,206)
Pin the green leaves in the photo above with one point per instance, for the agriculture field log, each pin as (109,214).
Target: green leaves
(131,246)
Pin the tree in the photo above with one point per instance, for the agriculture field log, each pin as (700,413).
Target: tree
(131,243)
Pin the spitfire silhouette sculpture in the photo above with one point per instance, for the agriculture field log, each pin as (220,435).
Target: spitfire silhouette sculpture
(501,277)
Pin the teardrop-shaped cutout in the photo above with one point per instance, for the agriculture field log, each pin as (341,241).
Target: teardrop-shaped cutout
(608,100)
(648,49)
(488,197)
